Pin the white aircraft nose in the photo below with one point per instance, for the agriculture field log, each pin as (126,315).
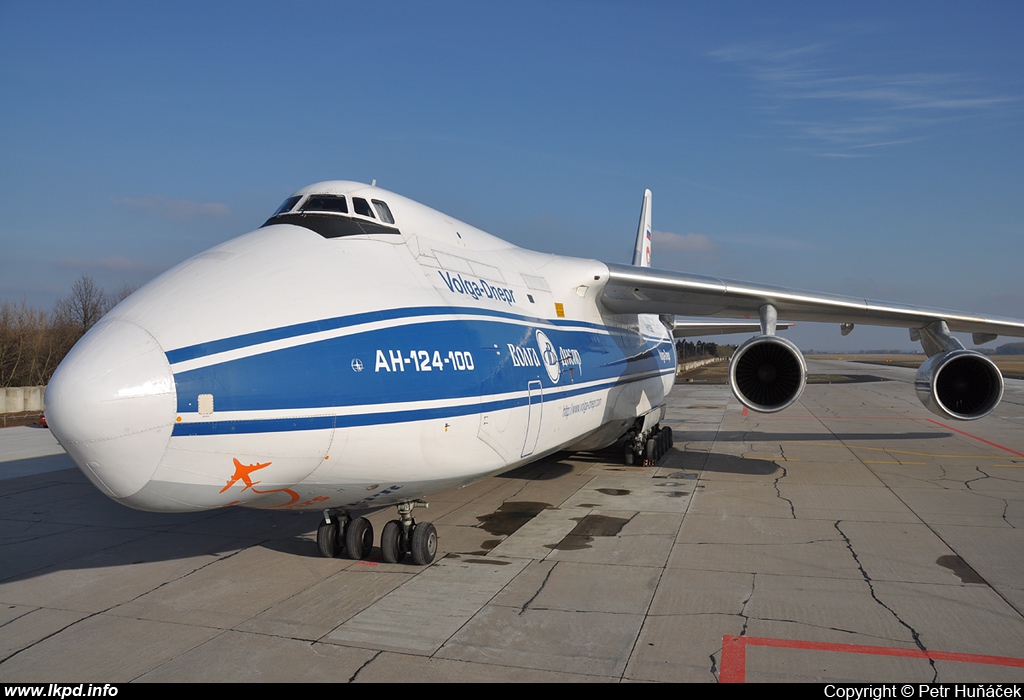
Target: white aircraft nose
(111,404)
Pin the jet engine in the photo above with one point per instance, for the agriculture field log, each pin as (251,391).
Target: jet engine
(767,373)
(960,384)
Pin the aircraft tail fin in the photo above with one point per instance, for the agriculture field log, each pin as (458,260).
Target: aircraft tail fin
(642,250)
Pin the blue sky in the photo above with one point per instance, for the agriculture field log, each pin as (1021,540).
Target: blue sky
(857,148)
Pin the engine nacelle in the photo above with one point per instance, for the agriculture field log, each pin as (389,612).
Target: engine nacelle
(960,384)
(767,373)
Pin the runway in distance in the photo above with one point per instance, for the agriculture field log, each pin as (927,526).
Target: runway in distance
(361,350)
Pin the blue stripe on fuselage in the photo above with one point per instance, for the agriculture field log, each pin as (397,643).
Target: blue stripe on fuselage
(275,425)
(213,347)
(424,361)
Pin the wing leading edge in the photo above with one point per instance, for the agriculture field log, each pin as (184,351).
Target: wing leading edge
(650,291)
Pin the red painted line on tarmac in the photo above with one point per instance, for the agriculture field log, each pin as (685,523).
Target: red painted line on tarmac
(768,416)
(745,411)
(734,660)
(979,439)
(734,654)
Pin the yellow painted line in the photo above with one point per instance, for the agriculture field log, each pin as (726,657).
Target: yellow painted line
(879,461)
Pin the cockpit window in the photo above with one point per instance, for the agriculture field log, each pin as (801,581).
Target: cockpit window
(328,215)
(362,207)
(288,204)
(326,202)
(383,211)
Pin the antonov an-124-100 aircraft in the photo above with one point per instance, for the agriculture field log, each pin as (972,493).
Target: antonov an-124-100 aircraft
(360,350)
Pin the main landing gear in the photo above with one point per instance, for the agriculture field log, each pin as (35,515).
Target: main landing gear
(338,533)
(646,447)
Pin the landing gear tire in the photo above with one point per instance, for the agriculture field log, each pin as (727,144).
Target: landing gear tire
(359,539)
(392,548)
(652,453)
(668,437)
(629,453)
(424,544)
(327,540)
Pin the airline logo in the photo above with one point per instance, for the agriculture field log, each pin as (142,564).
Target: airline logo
(243,473)
(556,361)
(548,356)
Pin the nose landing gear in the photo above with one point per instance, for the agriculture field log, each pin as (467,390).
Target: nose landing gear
(405,535)
(339,533)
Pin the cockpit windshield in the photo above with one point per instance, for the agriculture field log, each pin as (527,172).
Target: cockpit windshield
(384,211)
(288,204)
(328,215)
(362,207)
(326,202)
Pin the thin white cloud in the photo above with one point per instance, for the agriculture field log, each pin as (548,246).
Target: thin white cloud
(840,103)
(177,209)
(665,241)
(769,242)
(112,264)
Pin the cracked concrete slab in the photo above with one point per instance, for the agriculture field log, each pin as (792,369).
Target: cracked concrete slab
(23,627)
(581,587)
(225,593)
(314,612)
(768,545)
(590,643)
(239,657)
(101,648)
(421,614)
(386,667)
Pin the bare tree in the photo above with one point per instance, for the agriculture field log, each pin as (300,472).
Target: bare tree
(12,347)
(32,343)
(120,294)
(84,306)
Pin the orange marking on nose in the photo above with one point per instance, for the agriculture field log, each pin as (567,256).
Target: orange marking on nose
(242,471)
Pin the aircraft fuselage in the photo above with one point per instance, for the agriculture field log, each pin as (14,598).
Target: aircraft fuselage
(353,363)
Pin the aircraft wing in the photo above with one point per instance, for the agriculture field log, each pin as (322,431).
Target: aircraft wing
(693,329)
(650,291)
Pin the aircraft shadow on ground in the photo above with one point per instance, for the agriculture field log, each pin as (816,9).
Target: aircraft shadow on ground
(57,520)
(727,464)
(758,436)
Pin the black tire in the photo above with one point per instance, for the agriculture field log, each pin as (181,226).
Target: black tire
(629,455)
(651,454)
(668,438)
(424,544)
(391,545)
(327,540)
(359,539)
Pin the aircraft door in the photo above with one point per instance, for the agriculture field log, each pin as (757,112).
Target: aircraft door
(535,408)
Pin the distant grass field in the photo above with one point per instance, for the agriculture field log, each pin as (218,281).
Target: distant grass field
(1012,367)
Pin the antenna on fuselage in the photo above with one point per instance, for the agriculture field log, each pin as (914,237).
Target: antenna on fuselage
(373,182)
